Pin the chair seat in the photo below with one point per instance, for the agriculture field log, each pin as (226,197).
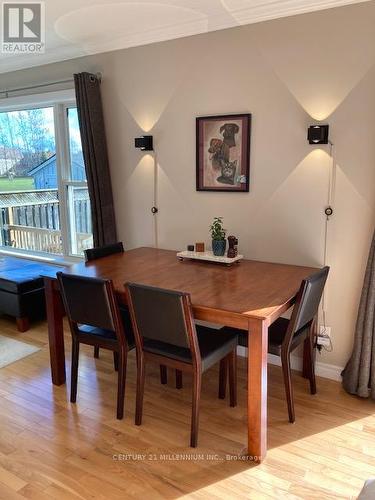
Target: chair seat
(276,335)
(213,344)
(97,332)
(102,333)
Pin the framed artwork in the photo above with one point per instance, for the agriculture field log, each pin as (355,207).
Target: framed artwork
(223,153)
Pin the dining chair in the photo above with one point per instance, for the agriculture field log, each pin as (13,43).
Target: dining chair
(95,319)
(104,251)
(284,335)
(98,253)
(165,332)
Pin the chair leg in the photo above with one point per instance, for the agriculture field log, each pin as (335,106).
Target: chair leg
(140,389)
(197,382)
(116,360)
(232,361)
(223,377)
(285,363)
(122,358)
(178,379)
(96,352)
(305,360)
(311,365)
(163,374)
(74,371)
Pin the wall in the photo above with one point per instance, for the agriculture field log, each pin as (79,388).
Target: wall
(287,73)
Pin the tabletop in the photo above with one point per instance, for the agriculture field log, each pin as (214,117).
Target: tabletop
(252,288)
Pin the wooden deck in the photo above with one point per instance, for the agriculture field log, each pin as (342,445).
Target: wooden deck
(52,449)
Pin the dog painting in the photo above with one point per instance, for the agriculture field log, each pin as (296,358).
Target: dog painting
(223,153)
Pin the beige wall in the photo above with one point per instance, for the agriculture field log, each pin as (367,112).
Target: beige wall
(286,73)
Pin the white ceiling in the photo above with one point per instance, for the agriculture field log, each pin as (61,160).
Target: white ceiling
(80,27)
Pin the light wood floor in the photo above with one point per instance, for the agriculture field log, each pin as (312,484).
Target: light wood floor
(52,449)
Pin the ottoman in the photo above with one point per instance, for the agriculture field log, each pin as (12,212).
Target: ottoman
(22,289)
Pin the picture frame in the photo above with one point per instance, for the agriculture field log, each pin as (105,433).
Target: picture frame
(223,153)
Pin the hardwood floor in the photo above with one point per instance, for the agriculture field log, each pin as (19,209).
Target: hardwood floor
(50,448)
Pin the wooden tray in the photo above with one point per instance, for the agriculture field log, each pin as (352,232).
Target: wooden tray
(208,257)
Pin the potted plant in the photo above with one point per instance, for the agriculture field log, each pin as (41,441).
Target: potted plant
(218,237)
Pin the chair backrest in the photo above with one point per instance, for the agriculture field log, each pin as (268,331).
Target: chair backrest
(98,253)
(162,315)
(307,302)
(91,301)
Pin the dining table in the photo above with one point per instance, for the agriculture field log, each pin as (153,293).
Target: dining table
(249,295)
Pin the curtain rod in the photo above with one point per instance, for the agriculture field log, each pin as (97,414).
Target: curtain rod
(30,87)
(41,85)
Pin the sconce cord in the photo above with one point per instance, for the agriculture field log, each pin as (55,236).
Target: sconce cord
(154,209)
(330,197)
(329,211)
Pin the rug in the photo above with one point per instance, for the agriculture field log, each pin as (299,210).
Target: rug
(13,350)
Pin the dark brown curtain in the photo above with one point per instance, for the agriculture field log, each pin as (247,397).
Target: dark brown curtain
(359,374)
(94,146)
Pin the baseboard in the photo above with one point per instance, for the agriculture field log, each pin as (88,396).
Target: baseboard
(324,370)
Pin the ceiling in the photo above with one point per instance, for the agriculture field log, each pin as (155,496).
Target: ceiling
(79,27)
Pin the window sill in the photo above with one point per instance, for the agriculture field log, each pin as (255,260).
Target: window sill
(58,260)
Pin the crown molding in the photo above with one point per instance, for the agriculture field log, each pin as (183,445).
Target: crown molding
(223,18)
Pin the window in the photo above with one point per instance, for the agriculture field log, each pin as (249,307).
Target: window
(77,192)
(44,201)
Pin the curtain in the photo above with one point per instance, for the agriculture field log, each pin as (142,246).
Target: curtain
(359,373)
(94,146)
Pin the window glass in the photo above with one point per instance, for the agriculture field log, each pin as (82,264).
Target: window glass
(29,200)
(80,220)
(77,166)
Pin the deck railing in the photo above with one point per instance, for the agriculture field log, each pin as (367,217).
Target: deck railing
(36,239)
(39,239)
(30,220)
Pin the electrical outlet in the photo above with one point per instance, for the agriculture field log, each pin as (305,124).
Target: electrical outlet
(324,336)
(323,341)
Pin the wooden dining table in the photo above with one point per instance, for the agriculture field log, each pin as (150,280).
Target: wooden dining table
(249,295)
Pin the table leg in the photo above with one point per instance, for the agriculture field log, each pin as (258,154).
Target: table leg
(55,314)
(257,389)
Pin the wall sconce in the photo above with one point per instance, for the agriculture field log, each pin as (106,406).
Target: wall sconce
(144,143)
(318,134)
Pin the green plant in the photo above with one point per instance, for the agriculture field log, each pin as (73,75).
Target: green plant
(217,230)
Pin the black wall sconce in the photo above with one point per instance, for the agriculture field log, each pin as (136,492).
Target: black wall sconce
(318,134)
(144,143)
